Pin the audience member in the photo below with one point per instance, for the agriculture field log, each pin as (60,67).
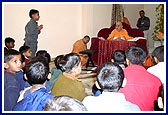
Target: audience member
(119,33)
(110,78)
(118,57)
(64,103)
(12,64)
(158,55)
(81,45)
(67,83)
(47,57)
(142,87)
(44,54)
(35,97)
(56,71)
(148,61)
(26,52)
(9,43)
(32,30)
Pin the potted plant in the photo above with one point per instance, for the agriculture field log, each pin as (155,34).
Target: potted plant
(158,34)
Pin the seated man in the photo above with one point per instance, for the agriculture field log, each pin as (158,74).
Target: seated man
(158,55)
(119,33)
(79,46)
(142,87)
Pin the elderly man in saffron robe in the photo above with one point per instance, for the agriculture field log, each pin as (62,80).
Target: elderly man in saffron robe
(119,33)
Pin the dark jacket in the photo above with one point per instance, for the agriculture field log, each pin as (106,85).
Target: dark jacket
(11,90)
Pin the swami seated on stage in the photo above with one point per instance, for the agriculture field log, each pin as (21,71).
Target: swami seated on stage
(119,33)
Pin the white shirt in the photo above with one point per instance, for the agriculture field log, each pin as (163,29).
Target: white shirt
(159,70)
(109,102)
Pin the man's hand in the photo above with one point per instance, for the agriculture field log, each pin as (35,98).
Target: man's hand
(40,27)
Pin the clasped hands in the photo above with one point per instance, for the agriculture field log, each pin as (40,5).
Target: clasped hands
(119,38)
(40,27)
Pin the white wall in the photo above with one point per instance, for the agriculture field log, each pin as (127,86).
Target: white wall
(149,8)
(102,16)
(131,11)
(66,23)
(62,25)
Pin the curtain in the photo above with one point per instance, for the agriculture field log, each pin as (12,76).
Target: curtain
(117,13)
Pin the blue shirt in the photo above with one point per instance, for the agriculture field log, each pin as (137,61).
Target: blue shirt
(34,101)
(20,78)
(31,31)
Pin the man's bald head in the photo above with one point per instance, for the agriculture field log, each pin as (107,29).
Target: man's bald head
(119,26)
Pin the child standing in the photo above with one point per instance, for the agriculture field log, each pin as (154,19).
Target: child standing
(12,64)
(35,97)
(32,30)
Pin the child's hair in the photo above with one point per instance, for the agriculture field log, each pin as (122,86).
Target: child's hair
(37,70)
(69,61)
(159,53)
(33,11)
(64,103)
(110,77)
(8,40)
(44,54)
(8,55)
(22,58)
(23,49)
(57,60)
(136,55)
(119,56)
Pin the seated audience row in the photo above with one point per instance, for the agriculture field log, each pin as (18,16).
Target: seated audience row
(29,87)
(142,87)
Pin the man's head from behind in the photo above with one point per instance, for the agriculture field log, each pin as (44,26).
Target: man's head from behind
(44,54)
(158,54)
(135,55)
(119,56)
(86,39)
(57,61)
(119,26)
(9,42)
(110,77)
(37,70)
(64,103)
